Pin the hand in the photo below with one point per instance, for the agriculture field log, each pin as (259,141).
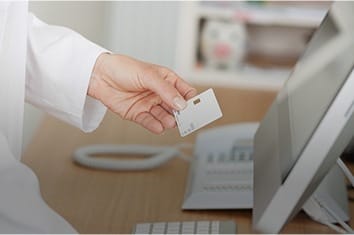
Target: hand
(138,91)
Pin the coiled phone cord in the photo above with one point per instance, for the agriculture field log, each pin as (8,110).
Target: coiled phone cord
(154,156)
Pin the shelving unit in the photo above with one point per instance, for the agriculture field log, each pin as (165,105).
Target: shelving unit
(260,15)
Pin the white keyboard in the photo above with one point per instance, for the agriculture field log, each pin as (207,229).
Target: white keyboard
(187,227)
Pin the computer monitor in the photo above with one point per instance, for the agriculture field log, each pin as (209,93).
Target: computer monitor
(308,125)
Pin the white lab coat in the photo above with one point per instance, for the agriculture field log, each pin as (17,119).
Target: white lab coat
(50,67)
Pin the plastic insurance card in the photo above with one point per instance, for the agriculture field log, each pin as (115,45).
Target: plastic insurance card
(200,111)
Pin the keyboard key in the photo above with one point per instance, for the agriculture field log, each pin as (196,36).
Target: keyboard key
(143,228)
(158,228)
(203,227)
(215,227)
(173,227)
(187,231)
(188,227)
(173,224)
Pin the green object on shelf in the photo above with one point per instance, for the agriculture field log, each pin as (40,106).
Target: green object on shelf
(258,3)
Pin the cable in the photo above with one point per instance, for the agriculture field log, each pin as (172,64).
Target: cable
(346,171)
(155,156)
(339,220)
(345,226)
(349,176)
(184,146)
(335,228)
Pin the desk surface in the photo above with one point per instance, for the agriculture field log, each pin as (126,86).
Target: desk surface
(96,201)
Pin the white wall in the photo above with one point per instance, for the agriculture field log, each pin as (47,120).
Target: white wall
(87,18)
(145,30)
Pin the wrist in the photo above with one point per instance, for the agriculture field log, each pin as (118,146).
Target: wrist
(97,76)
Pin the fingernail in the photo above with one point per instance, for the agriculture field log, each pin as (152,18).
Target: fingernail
(179,102)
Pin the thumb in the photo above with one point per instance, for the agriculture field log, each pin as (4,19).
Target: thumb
(164,87)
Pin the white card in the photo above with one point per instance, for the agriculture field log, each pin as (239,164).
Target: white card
(200,111)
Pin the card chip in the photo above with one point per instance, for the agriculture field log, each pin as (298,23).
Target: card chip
(197,101)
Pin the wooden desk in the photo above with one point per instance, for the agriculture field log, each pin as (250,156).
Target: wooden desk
(112,202)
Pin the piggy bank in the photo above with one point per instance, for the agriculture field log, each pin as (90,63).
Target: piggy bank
(223,44)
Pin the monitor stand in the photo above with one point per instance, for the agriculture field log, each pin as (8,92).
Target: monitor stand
(330,197)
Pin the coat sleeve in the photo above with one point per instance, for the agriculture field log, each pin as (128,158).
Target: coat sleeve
(58,70)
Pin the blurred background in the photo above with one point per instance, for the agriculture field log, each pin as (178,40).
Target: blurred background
(219,43)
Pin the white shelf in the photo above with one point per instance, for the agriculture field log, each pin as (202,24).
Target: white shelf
(267,15)
(285,16)
(261,79)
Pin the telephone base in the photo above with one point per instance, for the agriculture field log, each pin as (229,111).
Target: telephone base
(221,173)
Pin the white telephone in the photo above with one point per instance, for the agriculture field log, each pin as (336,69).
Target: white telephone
(221,174)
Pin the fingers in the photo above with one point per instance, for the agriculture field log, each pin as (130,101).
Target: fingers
(156,121)
(184,89)
(147,112)
(166,119)
(171,88)
(149,122)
